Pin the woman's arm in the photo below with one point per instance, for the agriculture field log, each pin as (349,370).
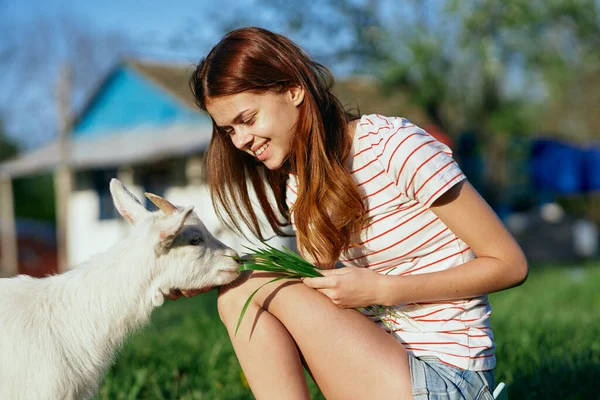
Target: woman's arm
(500,262)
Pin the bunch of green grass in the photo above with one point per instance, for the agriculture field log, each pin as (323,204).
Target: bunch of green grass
(288,265)
(285,263)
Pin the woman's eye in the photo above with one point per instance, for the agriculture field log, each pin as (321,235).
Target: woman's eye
(225,131)
(195,241)
(250,121)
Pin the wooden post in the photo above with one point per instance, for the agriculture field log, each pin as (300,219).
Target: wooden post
(62,174)
(193,171)
(8,232)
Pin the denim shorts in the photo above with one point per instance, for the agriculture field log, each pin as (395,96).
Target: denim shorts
(435,380)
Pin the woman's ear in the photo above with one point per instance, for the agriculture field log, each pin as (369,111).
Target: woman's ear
(296,95)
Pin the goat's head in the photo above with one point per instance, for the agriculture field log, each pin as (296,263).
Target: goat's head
(188,256)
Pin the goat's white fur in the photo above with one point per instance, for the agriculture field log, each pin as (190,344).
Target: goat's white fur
(58,335)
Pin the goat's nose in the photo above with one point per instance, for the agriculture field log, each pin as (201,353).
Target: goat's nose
(233,254)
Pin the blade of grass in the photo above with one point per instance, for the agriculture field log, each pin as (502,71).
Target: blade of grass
(260,267)
(250,299)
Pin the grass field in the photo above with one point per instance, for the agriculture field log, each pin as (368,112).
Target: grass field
(547,335)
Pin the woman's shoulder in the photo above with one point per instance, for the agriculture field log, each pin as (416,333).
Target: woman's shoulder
(375,130)
(367,120)
(388,138)
(376,126)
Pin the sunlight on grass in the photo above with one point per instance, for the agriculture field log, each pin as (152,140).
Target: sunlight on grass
(547,334)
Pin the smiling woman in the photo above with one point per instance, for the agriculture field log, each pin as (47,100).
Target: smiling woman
(261,124)
(376,193)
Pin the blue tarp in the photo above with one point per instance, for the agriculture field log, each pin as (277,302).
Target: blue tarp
(562,168)
(592,169)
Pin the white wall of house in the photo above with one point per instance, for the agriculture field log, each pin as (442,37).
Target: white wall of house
(88,235)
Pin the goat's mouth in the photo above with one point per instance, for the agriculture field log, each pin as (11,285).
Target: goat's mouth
(230,271)
(228,275)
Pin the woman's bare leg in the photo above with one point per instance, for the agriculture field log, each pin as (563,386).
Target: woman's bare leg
(270,360)
(349,356)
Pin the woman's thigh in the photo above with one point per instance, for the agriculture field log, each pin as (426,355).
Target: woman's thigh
(349,356)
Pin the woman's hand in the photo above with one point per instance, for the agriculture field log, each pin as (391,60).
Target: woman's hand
(348,287)
(175,294)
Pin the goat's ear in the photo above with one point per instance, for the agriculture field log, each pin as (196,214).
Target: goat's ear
(126,203)
(169,228)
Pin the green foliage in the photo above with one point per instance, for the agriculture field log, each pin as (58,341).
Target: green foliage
(566,33)
(546,333)
(512,119)
(8,148)
(423,74)
(34,197)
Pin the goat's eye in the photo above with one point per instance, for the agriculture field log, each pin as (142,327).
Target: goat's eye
(196,241)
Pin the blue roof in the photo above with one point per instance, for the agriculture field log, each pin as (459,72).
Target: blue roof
(128,98)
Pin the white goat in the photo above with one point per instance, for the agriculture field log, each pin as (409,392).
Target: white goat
(58,335)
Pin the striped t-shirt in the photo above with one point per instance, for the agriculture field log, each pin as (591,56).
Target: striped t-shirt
(401,170)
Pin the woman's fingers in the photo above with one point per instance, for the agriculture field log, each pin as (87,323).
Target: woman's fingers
(194,292)
(330,278)
(318,283)
(173,294)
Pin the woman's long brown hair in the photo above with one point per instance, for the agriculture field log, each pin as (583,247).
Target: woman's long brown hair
(329,209)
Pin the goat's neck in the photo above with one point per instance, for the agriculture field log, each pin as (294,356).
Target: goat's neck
(110,294)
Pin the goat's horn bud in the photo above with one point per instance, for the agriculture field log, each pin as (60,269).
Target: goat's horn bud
(162,204)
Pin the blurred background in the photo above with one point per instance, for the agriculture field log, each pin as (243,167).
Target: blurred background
(95,90)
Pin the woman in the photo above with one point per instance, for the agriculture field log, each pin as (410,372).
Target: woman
(377,193)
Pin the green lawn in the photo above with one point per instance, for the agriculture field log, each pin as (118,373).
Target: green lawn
(547,335)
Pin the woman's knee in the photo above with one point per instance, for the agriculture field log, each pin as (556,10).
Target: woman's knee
(229,301)
(231,298)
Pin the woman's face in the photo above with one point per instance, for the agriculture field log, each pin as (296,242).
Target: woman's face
(261,124)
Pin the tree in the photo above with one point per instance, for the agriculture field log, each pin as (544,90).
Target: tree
(8,148)
(550,44)
(28,76)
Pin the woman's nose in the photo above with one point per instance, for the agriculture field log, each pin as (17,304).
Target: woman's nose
(241,139)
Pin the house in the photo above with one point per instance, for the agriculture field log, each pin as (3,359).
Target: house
(142,126)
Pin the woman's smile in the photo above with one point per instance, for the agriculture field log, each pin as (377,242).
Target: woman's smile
(261,153)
